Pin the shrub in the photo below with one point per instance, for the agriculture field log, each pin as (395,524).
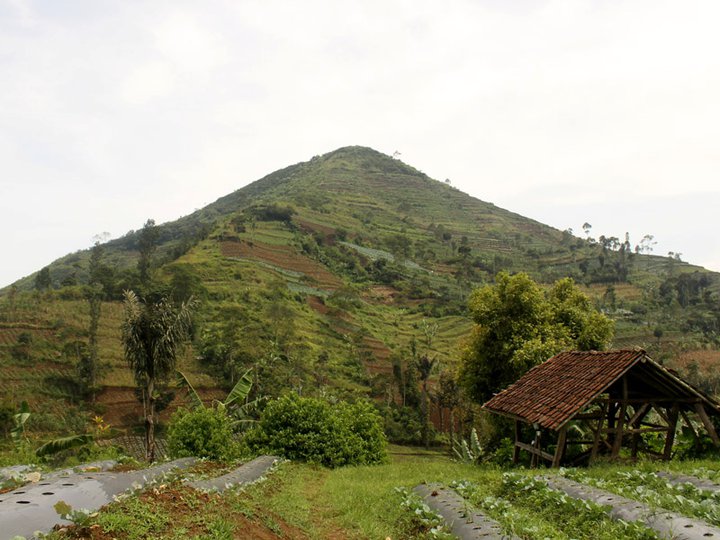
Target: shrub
(202,432)
(314,430)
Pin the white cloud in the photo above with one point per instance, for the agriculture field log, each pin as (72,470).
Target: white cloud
(157,108)
(148,81)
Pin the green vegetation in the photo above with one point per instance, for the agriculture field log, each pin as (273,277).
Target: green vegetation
(313,430)
(322,277)
(421,521)
(657,492)
(549,513)
(520,326)
(204,433)
(153,334)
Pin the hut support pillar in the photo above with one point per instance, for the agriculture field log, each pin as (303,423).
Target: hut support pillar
(700,409)
(516,449)
(617,440)
(672,424)
(560,450)
(598,432)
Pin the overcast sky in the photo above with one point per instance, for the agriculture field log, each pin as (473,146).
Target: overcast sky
(113,112)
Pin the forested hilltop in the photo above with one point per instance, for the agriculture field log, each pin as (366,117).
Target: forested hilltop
(334,276)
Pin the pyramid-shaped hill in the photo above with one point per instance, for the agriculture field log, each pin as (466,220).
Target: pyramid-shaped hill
(323,273)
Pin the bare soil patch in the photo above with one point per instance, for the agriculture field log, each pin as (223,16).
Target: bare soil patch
(284,257)
(122,408)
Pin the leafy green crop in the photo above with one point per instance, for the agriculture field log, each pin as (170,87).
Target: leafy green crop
(584,519)
(655,491)
(421,521)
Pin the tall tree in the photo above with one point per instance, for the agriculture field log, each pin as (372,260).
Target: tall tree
(425,365)
(43,280)
(153,335)
(147,244)
(518,326)
(88,366)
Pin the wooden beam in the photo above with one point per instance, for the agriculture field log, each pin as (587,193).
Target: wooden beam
(516,449)
(663,414)
(651,424)
(640,413)
(560,450)
(700,409)
(670,439)
(625,430)
(536,451)
(598,433)
(587,416)
(617,441)
(663,399)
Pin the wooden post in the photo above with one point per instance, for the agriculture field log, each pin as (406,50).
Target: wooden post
(672,424)
(598,433)
(617,441)
(516,449)
(560,450)
(700,409)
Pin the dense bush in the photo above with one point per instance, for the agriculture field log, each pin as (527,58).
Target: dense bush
(314,430)
(202,432)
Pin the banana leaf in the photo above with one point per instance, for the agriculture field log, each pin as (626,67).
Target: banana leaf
(241,390)
(63,443)
(183,382)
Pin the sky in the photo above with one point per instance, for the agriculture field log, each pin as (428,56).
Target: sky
(113,112)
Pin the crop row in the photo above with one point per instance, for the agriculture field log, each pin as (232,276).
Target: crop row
(657,492)
(527,507)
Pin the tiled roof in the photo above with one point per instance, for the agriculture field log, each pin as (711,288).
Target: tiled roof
(553,392)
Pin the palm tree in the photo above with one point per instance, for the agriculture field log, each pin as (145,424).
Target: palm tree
(153,334)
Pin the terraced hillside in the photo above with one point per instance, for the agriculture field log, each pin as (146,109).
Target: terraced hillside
(326,274)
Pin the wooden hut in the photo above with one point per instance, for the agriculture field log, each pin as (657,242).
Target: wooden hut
(614,397)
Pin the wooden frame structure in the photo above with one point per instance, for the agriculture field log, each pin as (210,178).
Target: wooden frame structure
(601,402)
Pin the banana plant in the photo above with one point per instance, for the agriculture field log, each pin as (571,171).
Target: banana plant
(19,419)
(63,443)
(235,403)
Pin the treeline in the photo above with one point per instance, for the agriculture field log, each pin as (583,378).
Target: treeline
(154,245)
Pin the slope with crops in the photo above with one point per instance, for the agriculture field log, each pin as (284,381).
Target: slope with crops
(329,274)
